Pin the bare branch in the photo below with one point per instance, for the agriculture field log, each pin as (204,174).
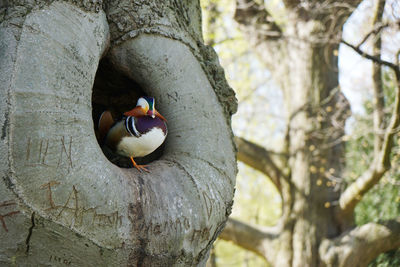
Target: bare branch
(381,162)
(249,237)
(260,159)
(387,145)
(366,243)
(370,57)
(383,145)
(378,100)
(397,57)
(378,26)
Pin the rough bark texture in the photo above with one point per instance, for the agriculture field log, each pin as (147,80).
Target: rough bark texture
(358,246)
(317,224)
(378,99)
(61,200)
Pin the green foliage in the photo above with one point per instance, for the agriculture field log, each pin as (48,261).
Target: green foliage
(258,198)
(382,202)
(259,119)
(388,259)
(229,255)
(256,201)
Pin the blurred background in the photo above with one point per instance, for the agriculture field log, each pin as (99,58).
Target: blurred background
(261,117)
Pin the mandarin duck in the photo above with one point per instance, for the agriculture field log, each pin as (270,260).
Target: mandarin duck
(140,131)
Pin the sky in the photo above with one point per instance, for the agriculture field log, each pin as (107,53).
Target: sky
(355,76)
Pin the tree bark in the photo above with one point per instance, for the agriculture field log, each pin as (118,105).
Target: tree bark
(317,223)
(61,200)
(366,242)
(378,100)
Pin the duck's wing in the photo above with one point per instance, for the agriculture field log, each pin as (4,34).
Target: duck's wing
(106,121)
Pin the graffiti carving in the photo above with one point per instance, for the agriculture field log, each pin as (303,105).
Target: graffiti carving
(5,205)
(37,151)
(73,212)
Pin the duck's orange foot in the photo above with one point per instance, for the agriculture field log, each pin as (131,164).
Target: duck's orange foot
(139,167)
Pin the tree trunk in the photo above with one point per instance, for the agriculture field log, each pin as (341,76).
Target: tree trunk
(311,151)
(312,103)
(317,224)
(61,200)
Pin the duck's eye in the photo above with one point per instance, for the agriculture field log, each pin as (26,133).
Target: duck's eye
(116,92)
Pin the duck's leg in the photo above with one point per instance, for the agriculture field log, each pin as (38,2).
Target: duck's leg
(139,167)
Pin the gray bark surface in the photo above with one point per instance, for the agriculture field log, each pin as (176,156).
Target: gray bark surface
(61,201)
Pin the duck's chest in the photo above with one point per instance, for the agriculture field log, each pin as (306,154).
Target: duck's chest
(132,146)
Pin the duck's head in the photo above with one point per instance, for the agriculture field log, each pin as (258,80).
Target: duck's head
(145,107)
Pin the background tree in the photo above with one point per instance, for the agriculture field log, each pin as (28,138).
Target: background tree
(299,47)
(61,200)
